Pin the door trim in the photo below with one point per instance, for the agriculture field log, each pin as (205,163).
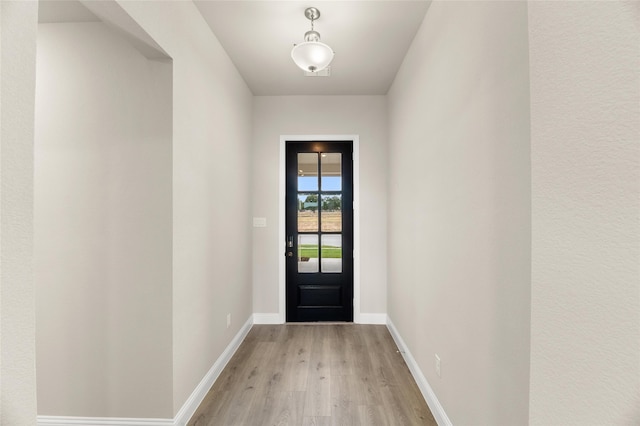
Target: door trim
(356,218)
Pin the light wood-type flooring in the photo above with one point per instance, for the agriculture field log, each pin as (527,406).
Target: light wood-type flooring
(316,374)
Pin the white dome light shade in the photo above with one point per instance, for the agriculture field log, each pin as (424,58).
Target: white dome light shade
(312,55)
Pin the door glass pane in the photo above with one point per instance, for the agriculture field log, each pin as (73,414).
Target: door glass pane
(331,212)
(332,253)
(308,171)
(307,253)
(307,212)
(331,171)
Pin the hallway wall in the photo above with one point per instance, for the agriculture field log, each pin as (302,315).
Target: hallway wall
(365,116)
(212,109)
(158,234)
(585,155)
(459,207)
(102,203)
(18,30)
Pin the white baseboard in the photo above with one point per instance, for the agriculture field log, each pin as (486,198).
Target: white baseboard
(380,319)
(427,393)
(363,319)
(194,401)
(100,421)
(267,319)
(185,413)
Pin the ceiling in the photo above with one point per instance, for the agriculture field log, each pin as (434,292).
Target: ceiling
(370,39)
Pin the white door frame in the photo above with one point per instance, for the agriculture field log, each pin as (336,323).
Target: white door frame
(356,217)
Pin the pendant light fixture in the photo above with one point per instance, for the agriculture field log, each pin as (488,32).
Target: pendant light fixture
(312,55)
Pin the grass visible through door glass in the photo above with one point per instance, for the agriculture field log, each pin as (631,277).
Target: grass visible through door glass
(328,252)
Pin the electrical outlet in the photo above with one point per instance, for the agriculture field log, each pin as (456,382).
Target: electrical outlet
(438,371)
(228,320)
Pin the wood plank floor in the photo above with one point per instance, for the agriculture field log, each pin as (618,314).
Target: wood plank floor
(315,374)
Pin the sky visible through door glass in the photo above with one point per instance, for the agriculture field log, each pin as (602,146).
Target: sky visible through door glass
(310,183)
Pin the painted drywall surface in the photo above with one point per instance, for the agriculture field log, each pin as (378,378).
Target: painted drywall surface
(102,226)
(585,119)
(459,205)
(211,189)
(365,116)
(18,29)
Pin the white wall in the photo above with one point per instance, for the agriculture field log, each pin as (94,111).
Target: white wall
(459,206)
(585,148)
(103,161)
(18,27)
(211,189)
(365,116)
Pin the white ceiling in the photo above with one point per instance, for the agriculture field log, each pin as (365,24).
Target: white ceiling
(370,39)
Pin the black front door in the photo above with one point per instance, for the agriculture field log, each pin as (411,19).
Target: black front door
(319,226)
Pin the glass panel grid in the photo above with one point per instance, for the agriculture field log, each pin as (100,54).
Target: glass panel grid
(320,213)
